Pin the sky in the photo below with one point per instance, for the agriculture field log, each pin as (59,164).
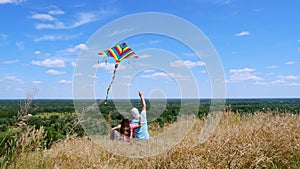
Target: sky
(257,42)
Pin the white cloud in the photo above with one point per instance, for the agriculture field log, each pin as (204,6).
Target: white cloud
(272,67)
(149,70)
(49,63)
(187,63)
(11,61)
(36,82)
(92,76)
(123,84)
(37,52)
(65,81)
(226,2)
(290,63)
(16,2)
(153,42)
(108,66)
(118,32)
(56,12)
(13,79)
(286,80)
(56,25)
(55,37)
(3,39)
(85,17)
(77,74)
(82,18)
(126,77)
(74,64)
(278,81)
(48,38)
(220,2)
(163,75)
(3,36)
(288,77)
(243,75)
(261,83)
(102,65)
(157,75)
(144,56)
(203,71)
(292,84)
(43,17)
(241,70)
(77,48)
(20,45)
(243,33)
(54,72)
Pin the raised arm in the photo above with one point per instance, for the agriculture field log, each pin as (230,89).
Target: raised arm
(142,100)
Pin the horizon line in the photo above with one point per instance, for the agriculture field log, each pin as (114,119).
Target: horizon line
(135,98)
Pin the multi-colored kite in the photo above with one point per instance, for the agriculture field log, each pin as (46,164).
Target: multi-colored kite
(118,52)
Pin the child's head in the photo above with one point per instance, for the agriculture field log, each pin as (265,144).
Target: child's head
(125,126)
(135,113)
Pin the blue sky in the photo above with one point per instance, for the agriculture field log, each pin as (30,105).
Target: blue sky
(258,43)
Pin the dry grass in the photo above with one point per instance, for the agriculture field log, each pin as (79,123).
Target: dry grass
(254,141)
(20,147)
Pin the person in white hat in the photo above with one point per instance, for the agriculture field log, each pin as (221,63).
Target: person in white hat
(142,132)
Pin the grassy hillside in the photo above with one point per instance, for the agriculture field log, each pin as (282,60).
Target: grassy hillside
(262,140)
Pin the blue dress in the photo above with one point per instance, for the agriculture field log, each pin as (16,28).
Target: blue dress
(142,132)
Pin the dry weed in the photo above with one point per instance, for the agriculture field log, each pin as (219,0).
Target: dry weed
(252,141)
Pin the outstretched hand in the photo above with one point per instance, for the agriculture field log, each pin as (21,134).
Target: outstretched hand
(142,100)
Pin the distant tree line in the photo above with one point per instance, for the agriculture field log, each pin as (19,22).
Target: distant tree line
(243,106)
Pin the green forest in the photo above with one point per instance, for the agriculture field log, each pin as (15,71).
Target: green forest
(58,117)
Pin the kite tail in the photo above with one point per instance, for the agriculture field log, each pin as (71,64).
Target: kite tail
(112,80)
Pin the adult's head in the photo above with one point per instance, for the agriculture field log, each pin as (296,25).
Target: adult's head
(135,113)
